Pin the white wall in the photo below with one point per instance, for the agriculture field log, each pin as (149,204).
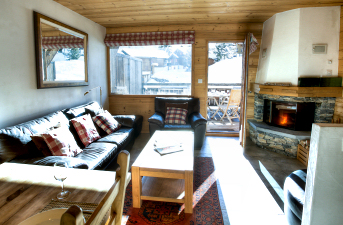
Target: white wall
(20,100)
(283,66)
(267,40)
(319,25)
(324,181)
(289,51)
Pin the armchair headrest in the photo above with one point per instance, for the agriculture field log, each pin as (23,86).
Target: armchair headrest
(193,104)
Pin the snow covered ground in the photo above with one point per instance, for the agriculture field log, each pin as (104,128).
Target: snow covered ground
(70,70)
(225,71)
(175,74)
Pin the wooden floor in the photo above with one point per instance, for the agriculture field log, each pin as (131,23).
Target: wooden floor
(250,180)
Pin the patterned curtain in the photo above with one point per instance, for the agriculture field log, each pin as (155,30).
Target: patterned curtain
(253,44)
(59,42)
(150,38)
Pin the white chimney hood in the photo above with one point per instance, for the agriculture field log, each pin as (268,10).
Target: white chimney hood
(287,42)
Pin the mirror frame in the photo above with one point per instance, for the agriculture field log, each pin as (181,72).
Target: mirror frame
(39,61)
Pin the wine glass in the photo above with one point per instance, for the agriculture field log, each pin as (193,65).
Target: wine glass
(60,174)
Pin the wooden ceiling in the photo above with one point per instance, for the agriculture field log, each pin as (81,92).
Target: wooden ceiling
(129,13)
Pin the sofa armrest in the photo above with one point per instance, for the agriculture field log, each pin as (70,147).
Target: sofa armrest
(157,119)
(128,120)
(196,119)
(132,121)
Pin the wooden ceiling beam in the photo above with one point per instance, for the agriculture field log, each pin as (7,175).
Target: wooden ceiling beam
(194,17)
(215,28)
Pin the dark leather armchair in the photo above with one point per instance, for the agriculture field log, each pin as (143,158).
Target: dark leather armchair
(195,121)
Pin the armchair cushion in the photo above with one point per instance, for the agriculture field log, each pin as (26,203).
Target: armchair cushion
(176,116)
(157,119)
(177,127)
(178,105)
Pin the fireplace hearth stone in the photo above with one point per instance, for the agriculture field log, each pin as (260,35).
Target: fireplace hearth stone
(276,139)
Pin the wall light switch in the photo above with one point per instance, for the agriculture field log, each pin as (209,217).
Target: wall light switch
(199,81)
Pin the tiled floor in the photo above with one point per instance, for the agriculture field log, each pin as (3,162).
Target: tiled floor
(250,180)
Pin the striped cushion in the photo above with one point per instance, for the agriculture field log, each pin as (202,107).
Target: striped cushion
(106,122)
(176,116)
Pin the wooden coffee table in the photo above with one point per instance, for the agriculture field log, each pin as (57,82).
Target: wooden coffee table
(167,178)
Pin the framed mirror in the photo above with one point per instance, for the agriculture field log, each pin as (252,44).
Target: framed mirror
(61,54)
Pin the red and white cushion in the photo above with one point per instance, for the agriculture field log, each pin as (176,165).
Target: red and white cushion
(85,129)
(106,122)
(61,142)
(176,115)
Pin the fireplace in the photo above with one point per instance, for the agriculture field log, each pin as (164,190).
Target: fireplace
(300,113)
(297,116)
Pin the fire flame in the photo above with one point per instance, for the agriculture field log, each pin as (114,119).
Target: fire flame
(283,120)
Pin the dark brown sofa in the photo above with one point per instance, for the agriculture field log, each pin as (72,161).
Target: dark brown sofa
(17,146)
(195,121)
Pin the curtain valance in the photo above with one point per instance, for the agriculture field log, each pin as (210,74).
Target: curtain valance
(150,38)
(59,42)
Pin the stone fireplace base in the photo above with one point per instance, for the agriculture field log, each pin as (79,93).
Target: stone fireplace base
(276,139)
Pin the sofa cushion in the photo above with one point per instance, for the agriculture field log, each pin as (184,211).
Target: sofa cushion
(61,142)
(106,122)
(176,116)
(92,108)
(72,162)
(121,137)
(15,141)
(41,144)
(85,129)
(98,154)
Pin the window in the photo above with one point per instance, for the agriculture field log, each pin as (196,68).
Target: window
(151,70)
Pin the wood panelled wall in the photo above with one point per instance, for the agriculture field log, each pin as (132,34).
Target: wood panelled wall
(338,114)
(144,105)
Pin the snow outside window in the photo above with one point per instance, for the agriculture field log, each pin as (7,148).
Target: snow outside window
(151,70)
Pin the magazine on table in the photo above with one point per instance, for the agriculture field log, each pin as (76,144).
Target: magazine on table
(166,148)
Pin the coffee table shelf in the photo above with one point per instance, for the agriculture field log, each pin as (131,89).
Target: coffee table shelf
(160,189)
(167,178)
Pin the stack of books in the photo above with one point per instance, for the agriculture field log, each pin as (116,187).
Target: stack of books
(164,148)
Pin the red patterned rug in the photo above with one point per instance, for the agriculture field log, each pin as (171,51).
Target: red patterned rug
(206,207)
